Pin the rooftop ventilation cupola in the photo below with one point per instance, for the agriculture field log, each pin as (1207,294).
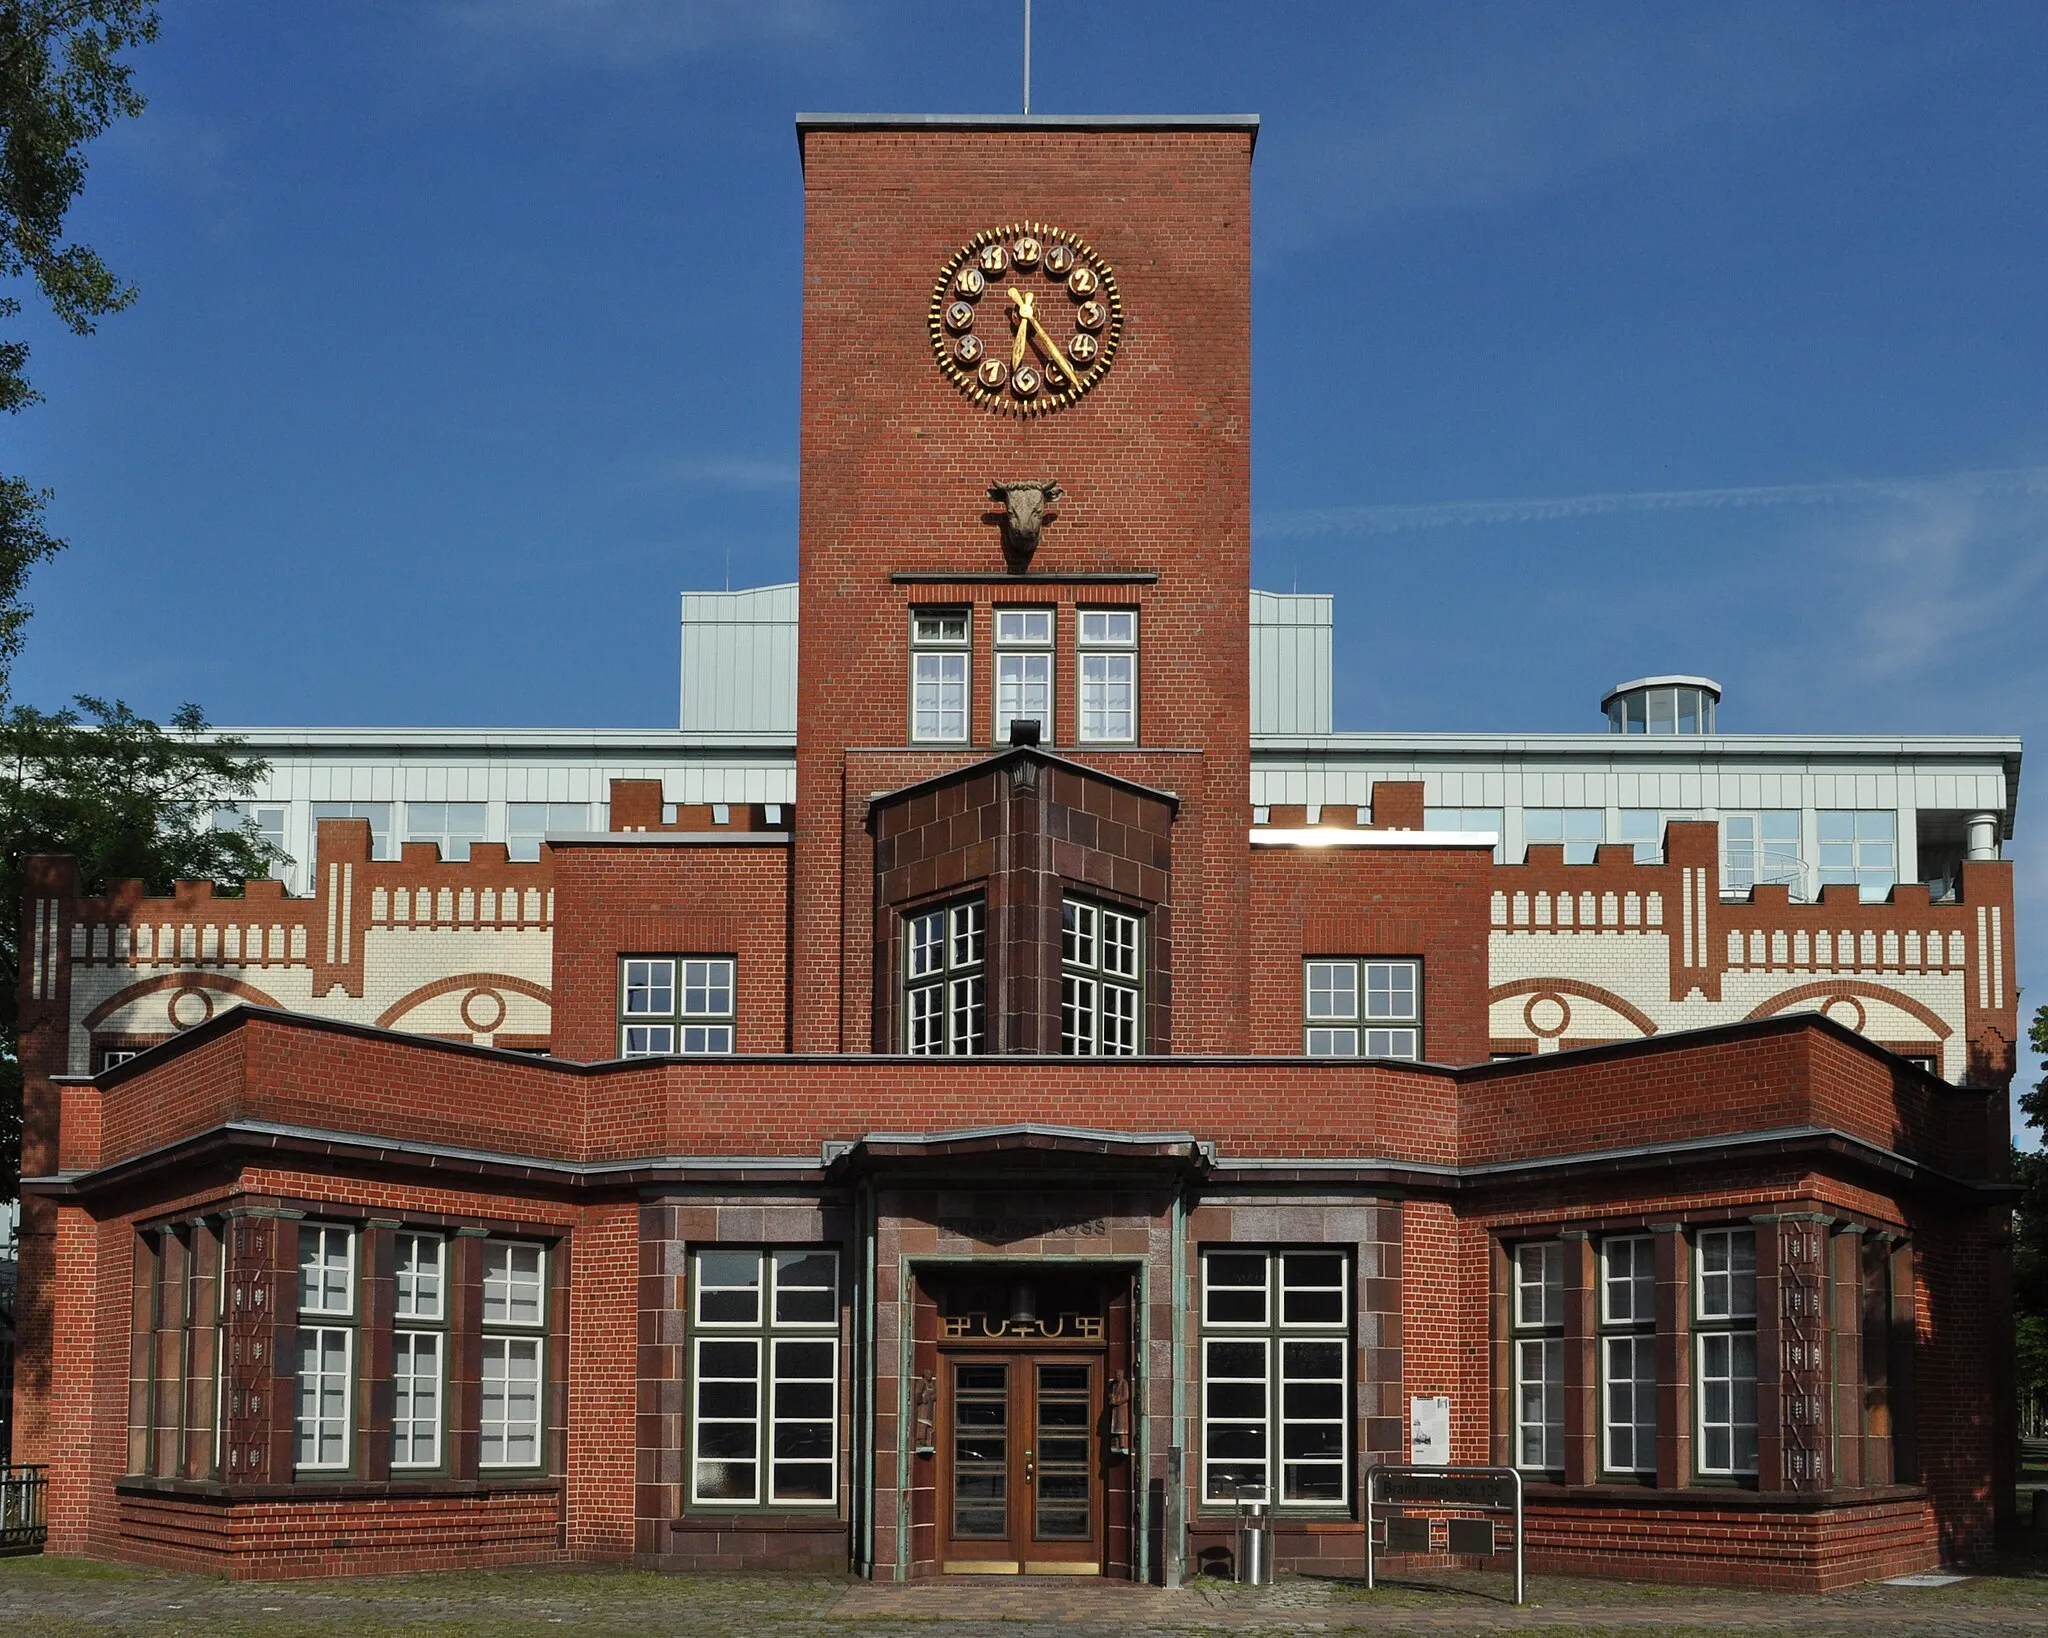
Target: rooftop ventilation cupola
(1662,705)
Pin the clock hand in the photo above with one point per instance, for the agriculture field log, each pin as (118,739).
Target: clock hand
(1055,354)
(1022,318)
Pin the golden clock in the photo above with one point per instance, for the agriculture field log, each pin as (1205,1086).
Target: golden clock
(1025,318)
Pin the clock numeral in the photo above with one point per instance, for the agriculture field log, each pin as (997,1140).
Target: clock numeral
(1082,281)
(968,349)
(992,374)
(1025,251)
(1083,347)
(1059,260)
(959,317)
(970,283)
(993,258)
(1091,315)
(1024,381)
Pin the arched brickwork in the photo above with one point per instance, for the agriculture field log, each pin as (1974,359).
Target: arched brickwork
(1584,991)
(1853,990)
(177,981)
(389,1017)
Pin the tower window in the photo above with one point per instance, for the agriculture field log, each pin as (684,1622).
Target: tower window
(1109,675)
(938,676)
(1023,670)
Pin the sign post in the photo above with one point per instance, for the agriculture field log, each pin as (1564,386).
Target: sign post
(1394,1490)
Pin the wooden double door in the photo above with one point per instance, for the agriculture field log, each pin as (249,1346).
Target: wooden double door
(1022,1479)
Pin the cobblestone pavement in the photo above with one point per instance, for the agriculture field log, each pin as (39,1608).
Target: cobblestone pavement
(71,1598)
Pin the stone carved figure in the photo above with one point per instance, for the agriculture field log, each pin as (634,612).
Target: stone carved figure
(1027,502)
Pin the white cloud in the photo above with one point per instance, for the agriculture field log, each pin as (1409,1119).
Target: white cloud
(519,36)
(731,472)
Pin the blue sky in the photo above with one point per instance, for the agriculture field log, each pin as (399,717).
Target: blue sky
(1589,341)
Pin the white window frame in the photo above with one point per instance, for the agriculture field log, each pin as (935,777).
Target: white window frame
(945,979)
(1580,830)
(1281,1333)
(508,1336)
(1106,659)
(683,1029)
(1102,979)
(1723,1320)
(328,1302)
(1537,1338)
(941,660)
(377,813)
(770,1330)
(418,1316)
(453,826)
(1375,1025)
(528,824)
(1023,646)
(1761,847)
(1471,819)
(1859,847)
(1628,1333)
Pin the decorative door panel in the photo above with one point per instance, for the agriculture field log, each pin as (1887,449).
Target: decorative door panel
(1021,1443)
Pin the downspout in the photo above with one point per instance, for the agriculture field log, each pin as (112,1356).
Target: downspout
(1171,1522)
(865,1227)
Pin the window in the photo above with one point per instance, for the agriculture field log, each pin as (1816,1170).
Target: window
(1109,674)
(1468,819)
(1538,1303)
(1725,1349)
(527,825)
(378,814)
(1860,847)
(938,676)
(1628,1355)
(1101,980)
(944,977)
(268,821)
(418,1349)
(671,1004)
(1642,830)
(1370,1009)
(1023,670)
(1580,829)
(327,1310)
(1761,847)
(1275,1376)
(515,1311)
(765,1378)
(453,825)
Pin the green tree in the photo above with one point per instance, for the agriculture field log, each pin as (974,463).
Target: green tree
(62,82)
(125,797)
(2030,1240)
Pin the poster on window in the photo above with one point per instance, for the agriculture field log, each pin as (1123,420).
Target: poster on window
(1429,1430)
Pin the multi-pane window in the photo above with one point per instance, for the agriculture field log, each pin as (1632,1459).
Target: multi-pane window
(670,1004)
(938,675)
(1369,1009)
(515,1316)
(378,814)
(1724,1322)
(1023,670)
(765,1378)
(528,824)
(1468,819)
(1581,830)
(268,821)
(1643,830)
(327,1313)
(945,954)
(418,1349)
(1108,673)
(1761,847)
(1275,1375)
(1538,1303)
(1101,979)
(1862,847)
(1628,1355)
(454,825)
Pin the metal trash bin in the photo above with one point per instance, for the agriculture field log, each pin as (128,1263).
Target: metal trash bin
(1254,1537)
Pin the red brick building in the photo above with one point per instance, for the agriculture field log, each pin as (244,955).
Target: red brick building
(1004,1157)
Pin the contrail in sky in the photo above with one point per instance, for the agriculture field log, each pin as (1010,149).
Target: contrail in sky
(1390,520)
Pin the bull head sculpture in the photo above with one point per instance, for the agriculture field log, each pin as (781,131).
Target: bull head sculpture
(1026,503)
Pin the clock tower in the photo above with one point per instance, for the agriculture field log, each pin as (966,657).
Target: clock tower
(1025,518)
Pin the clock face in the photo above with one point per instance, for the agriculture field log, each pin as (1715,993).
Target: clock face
(1025,318)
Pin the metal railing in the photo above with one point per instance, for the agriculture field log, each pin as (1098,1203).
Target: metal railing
(24,1524)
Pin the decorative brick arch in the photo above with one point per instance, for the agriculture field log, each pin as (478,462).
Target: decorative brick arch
(464,981)
(1851,990)
(177,981)
(1585,992)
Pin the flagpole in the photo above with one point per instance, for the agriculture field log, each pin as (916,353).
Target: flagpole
(1027,56)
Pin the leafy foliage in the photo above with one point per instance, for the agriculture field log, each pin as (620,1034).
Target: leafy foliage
(62,82)
(2030,1239)
(125,797)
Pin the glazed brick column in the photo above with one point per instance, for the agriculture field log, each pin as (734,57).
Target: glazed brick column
(1791,1352)
(1674,1356)
(1581,1358)
(1904,1362)
(1875,1376)
(1381,1376)
(1845,1321)
(1500,1300)
(465,1385)
(141,1352)
(377,1303)
(260,1347)
(662,1373)
(202,1350)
